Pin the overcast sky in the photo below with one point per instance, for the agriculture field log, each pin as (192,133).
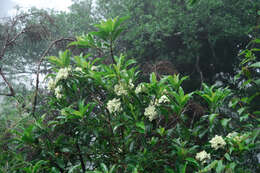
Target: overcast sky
(7,6)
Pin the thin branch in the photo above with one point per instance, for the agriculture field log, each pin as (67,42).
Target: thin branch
(81,158)
(7,43)
(199,71)
(111,52)
(12,93)
(16,37)
(9,40)
(38,69)
(2,53)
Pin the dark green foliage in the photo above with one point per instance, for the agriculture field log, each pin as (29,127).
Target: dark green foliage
(213,31)
(99,115)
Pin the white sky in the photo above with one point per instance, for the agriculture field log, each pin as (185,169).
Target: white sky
(56,4)
(60,5)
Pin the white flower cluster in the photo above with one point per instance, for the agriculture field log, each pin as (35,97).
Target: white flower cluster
(140,88)
(203,156)
(150,112)
(232,135)
(165,91)
(235,136)
(217,142)
(130,84)
(63,112)
(63,73)
(93,68)
(51,84)
(114,105)
(163,99)
(79,69)
(58,93)
(120,90)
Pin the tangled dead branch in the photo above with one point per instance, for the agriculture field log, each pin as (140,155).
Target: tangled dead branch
(10,35)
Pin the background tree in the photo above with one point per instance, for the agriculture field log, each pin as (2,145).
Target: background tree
(208,34)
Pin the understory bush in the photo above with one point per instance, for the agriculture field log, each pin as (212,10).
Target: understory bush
(102,118)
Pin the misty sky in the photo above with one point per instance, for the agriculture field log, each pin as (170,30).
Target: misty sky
(6,6)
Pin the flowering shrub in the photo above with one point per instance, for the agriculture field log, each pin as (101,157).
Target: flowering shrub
(101,116)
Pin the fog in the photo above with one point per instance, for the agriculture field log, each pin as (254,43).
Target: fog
(5,6)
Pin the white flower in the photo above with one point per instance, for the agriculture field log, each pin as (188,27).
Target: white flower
(93,68)
(140,88)
(51,84)
(79,69)
(114,105)
(63,74)
(164,99)
(235,136)
(232,135)
(202,156)
(165,91)
(238,138)
(63,112)
(119,90)
(58,93)
(131,85)
(150,112)
(217,142)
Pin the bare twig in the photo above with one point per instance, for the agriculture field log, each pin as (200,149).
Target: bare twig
(111,52)
(9,40)
(7,43)
(83,167)
(38,69)
(12,93)
(16,37)
(199,71)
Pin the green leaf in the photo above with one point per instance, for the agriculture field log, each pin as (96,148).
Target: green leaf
(131,147)
(227,156)
(75,168)
(193,2)
(220,167)
(212,118)
(111,170)
(153,78)
(183,168)
(104,168)
(209,167)
(225,121)
(244,117)
(54,60)
(256,65)
(116,127)
(119,21)
(161,131)
(135,170)
(241,110)
(65,150)
(255,49)
(256,41)
(37,166)
(193,161)
(141,126)
(233,103)
(256,113)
